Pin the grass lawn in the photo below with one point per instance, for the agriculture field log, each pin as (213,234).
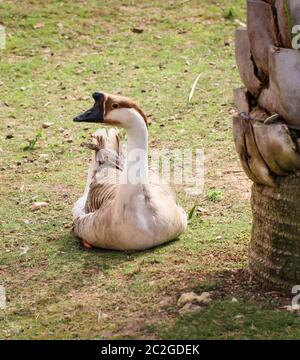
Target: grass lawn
(57,54)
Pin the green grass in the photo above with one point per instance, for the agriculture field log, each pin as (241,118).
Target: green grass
(58,53)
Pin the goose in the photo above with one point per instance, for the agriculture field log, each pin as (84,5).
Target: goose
(121,208)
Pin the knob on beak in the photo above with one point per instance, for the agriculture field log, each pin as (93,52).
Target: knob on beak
(98,96)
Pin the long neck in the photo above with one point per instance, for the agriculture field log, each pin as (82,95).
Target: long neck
(136,166)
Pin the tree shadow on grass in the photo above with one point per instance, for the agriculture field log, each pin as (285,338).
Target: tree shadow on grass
(240,309)
(228,284)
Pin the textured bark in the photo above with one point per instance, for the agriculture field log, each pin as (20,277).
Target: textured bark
(283,24)
(274,253)
(267,138)
(277,148)
(245,63)
(285,83)
(242,100)
(262,31)
(251,160)
(266,100)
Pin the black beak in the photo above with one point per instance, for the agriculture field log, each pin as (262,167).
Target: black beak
(94,114)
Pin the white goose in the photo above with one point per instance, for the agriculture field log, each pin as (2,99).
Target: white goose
(137,212)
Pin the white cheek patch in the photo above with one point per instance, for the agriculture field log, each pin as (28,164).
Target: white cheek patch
(119,116)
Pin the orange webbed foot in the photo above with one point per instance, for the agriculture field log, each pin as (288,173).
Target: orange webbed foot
(86,244)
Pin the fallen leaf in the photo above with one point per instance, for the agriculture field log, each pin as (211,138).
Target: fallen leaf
(239,316)
(45,125)
(194,87)
(39,25)
(38,205)
(24,249)
(137,30)
(28,222)
(102,316)
(239,22)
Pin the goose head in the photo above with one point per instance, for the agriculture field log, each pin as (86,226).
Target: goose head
(112,110)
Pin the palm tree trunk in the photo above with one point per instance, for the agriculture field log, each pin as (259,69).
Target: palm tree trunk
(267,137)
(274,252)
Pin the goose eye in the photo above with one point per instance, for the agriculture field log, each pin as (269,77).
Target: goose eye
(115,106)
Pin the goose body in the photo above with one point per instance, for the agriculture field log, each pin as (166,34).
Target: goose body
(123,209)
